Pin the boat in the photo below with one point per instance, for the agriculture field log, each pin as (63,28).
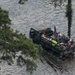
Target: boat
(50,41)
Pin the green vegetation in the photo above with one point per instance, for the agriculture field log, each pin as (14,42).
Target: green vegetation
(69,16)
(15,45)
(68,12)
(22,1)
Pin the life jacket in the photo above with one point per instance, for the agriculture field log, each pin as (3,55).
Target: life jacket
(54,42)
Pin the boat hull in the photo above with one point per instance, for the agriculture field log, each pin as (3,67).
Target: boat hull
(56,51)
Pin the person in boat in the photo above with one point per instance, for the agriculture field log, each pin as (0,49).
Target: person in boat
(48,32)
(43,36)
(62,38)
(52,40)
(70,43)
(58,37)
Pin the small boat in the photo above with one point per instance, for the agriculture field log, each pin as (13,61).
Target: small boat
(57,45)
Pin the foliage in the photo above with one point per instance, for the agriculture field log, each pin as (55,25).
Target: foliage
(68,12)
(15,45)
(22,1)
(4,18)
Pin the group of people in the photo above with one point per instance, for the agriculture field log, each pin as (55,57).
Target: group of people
(51,39)
(58,38)
(63,40)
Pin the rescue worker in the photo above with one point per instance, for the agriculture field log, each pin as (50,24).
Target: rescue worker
(54,42)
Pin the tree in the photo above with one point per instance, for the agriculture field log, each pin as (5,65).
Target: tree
(69,16)
(15,45)
(22,1)
(68,12)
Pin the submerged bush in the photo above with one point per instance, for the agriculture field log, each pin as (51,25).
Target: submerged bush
(16,45)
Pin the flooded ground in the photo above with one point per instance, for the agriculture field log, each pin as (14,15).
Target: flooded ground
(37,14)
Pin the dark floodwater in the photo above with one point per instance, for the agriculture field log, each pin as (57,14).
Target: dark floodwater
(38,14)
